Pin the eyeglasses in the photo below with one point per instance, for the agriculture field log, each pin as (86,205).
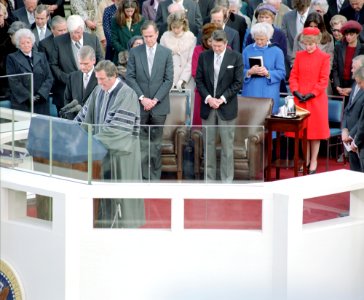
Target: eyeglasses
(335,30)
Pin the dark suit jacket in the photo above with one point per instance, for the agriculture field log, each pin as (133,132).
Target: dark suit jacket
(75,89)
(17,63)
(205,7)
(232,36)
(158,84)
(18,4)
(60,10)
(349,13)
(228,85)
(21,15)
(359,137)
(290,30)
(353,111)
(47,46)
(63,62)
(337,70)
(235,22)
(34,29)
(192,11)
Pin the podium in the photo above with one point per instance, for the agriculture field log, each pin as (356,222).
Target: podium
(66,144)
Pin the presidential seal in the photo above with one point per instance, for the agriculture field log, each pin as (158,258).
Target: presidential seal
(10,288)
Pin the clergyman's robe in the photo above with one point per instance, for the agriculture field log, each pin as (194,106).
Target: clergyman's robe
(116,124)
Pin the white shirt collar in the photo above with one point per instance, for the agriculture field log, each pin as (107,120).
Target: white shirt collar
(221,55)
(90,72)
(114,85)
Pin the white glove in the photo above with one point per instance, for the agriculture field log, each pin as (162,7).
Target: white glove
(180,85)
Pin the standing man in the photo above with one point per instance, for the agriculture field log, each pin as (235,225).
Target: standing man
(58,27)
(113,107)
(352,112)
(218,80)
(82,82)
(26,13)
(292,24)
(218,17)
(150,75)
(64,59)
(40,26)
(191,8)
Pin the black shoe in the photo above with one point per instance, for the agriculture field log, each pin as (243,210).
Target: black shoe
(310,172)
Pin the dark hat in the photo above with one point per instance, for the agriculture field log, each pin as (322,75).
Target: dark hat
(311,31)
(352,26)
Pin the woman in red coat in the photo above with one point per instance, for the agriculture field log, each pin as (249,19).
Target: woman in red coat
(308,82)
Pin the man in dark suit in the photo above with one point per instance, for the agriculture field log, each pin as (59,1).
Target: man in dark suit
(191,8)
(354,11)
(58,27)
(218,17)
(231,20)
(218,80)
(64,57)
(26,13)
(352,112)
(150,75)
(292,24)
(40,27)
(357,144)
(82,82)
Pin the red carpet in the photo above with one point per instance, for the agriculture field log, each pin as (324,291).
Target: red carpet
(239,214)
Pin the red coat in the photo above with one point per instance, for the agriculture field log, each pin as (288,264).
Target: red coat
(196,120)
(310,74)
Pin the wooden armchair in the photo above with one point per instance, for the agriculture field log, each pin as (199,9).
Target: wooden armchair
(249,140)
(174,136)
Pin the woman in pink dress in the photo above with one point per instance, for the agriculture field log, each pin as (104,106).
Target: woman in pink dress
(207,31)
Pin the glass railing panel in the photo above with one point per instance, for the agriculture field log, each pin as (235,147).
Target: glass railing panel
(326,207)
(240,214)
(132,213)
(229,154)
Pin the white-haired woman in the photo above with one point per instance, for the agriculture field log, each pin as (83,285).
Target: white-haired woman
(264,80)
(27,61)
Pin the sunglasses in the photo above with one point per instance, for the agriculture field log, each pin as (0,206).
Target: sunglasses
(335,30)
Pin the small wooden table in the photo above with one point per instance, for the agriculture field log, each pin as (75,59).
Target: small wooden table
(295,125)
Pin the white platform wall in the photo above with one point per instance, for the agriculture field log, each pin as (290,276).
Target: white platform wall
(68,259)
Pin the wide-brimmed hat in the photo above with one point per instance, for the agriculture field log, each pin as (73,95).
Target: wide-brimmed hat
(351,26)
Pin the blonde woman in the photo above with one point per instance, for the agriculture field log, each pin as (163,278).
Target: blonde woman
(182,42)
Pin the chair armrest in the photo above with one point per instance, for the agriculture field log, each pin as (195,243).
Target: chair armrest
(179,141)
(197,137)
(255,154)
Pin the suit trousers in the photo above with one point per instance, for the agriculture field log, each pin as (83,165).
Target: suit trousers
(354,161)
(226,129)
(150,145)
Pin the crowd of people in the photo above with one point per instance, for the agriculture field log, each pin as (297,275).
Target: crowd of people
(311,48)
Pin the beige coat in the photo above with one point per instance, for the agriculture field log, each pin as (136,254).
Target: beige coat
(182,50)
